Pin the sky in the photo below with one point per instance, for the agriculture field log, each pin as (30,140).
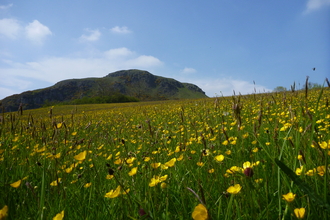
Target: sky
(222,46)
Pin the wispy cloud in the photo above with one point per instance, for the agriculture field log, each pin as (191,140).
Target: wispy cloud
(37,32)
(227,87)
(9,28)
(4,7)
(313,5)
(93,35)
(120,30)
(188,70)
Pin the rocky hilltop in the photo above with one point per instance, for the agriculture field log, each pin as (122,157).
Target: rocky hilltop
(139,84)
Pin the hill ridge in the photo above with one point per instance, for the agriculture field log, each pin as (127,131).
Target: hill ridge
(139,84)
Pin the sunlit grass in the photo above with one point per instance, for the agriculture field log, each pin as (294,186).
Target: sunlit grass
(206,158)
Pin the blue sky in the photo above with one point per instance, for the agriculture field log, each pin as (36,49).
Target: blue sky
(220,45)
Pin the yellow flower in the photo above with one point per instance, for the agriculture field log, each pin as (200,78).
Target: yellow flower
(81,156)
(200,213)
(200,164)
(323,145)
(300,157)
(54,183)
(133,171)
(16,184)
(219,158)
(87,185)
(300,213)
(320,170)
(180,158)
(310,172)
(154,181)
(228,152)
(3,212)
(299,170)
(289,197)
(113,193)
(155,165)
(130,160)
(171,163)
(211,171)
(59,125)
(234,189)
(255,150)
(109,177)
(59,216)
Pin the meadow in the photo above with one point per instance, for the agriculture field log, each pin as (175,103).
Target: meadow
(259,156)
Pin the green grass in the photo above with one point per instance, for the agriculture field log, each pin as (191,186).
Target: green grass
(267,130)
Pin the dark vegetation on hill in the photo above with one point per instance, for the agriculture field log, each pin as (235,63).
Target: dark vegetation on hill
(120,86)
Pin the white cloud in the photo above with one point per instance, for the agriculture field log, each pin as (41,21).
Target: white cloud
(313,5)
(227,86)
(118,53)
(93,36)
(188,70)
(36,32)
(144,62)
(120,30)
(9,28)
(51,70)
(4,7)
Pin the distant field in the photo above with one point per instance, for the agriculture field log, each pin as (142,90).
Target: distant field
(262,156)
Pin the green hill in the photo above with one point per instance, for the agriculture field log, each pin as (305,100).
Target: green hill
(120,86)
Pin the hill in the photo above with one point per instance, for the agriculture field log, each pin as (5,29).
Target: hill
(130,84)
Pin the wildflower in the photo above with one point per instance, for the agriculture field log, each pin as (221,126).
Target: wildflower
(255,150)
(300,213)
(155,165)
(74,133)
(219,158)
(289,197)
(109,177)
(171,163)
(300,157)
(180,158)
(16,184)
(299,170)
(130,160)
(200,213)
(154,181)
(211,171)
(59,216)
(133,171)
(234,189)
(81,156)
(87,185)
(228,152)
(200,164)
(320,170)
(323,145)
(55,183)
(4,212)
(113,193)
(59,125)
(310,172)
(234,169)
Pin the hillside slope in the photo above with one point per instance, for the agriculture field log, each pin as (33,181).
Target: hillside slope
(134,83)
